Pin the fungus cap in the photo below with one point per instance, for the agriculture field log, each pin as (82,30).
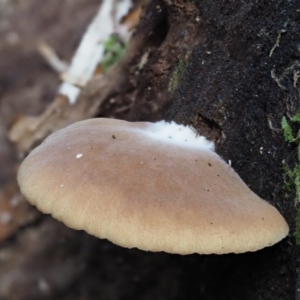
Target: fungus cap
(154,186)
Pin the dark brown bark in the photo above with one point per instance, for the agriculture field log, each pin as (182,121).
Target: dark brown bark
(215,65)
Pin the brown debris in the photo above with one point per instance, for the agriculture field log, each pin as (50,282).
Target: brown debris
(15,212)
(28,131)
(37,265)
(132,18)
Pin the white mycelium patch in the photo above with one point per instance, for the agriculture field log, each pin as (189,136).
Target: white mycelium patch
(178,134)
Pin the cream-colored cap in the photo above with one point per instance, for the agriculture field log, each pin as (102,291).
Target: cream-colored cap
(153,186)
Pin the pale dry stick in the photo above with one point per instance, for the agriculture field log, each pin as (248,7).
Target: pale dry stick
(51,57)
(277,41)
(91,49)
(28,132)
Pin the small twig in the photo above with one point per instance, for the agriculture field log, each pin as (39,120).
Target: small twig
(277,130)
(51,57)
(296,76)
(277,80)
(277,41)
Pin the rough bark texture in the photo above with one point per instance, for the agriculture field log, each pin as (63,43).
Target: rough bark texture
(215,65)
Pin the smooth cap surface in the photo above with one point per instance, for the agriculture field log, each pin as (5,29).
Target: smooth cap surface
(130,184)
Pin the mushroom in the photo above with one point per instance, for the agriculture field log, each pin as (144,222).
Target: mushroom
(153,186)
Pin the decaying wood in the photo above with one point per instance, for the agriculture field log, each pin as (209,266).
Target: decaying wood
(27,132)
(223,68)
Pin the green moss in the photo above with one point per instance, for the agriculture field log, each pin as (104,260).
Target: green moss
(297,233)
(296,118)
(289,179)
(292,176)
(114,49)
(177,75)
(287,130)
(297,181)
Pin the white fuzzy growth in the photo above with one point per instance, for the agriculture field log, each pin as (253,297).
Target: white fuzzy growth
(179,135)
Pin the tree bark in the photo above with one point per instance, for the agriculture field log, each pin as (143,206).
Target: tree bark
(228,68)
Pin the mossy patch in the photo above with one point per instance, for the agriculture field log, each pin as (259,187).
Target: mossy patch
(177,75)
(297,233)
(292,176)
(114,49)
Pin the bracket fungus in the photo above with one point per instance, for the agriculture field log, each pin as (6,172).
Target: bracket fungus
(153,186)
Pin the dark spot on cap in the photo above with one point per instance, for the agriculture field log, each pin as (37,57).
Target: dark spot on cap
(114,137)
(209,164)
